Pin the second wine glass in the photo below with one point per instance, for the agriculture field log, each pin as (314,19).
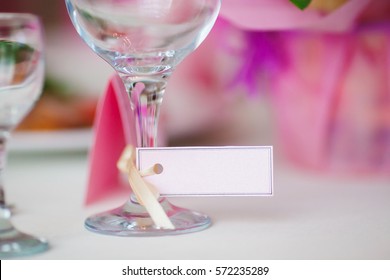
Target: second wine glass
(144,40)
(21,80)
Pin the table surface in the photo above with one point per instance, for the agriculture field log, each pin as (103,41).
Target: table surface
(311,216)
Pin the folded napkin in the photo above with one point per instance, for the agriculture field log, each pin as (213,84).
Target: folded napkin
(113,129)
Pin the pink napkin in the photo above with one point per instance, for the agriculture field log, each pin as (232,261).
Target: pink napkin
(114,129)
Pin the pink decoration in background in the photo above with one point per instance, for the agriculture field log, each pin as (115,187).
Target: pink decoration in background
(329,74)
(114,129)
(332,102)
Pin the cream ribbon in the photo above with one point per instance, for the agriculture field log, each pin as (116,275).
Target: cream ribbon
(147,195)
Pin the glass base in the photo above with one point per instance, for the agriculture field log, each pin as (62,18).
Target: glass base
(14,243)
(132,220)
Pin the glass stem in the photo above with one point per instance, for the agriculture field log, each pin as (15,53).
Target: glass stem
(146,95)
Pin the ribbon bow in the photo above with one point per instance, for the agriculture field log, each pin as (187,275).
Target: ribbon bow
(146,194)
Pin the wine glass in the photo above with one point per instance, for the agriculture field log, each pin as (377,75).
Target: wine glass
(21,80)
(144,40)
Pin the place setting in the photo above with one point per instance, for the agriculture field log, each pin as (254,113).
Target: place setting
(144,41)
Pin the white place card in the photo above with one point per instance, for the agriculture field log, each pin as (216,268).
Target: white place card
(210,171)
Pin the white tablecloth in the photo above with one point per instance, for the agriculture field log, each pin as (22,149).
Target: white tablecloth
(311,216)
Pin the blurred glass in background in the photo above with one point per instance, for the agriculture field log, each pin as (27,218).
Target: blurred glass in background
(69,100)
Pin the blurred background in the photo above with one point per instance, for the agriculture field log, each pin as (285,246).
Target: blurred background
(315,84)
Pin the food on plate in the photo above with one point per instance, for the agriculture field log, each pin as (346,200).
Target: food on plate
(59,108)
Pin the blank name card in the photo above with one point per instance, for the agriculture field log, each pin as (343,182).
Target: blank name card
(210,171)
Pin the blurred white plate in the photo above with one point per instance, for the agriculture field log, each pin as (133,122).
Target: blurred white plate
(51,141)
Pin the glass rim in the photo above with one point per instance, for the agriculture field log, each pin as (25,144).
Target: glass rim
(26,21)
